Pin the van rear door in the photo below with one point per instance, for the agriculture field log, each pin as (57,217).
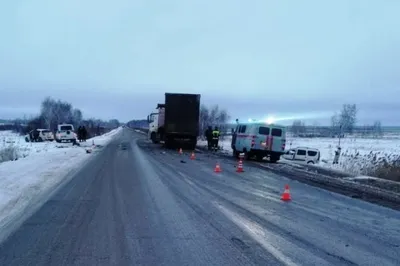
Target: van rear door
(263,138)
(278,139)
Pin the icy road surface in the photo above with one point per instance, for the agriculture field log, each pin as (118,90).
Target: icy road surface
(144,206)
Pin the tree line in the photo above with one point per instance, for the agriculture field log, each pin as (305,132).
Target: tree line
(343,122)
(54,112)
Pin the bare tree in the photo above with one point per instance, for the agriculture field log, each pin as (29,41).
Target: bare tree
(54,112)
(47,111)
(377,129)
(204,118)
(348,117)
(77,117)
(213,117)
(335,122)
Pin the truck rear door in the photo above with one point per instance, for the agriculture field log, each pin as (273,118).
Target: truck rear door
(182,113)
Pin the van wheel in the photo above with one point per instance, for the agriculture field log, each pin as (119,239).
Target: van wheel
(259,157)
(273,158)
(246,156)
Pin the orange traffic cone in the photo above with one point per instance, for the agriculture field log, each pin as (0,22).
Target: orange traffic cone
(192,156)
(286,194)
(239,167)
(180,151)
(217,168)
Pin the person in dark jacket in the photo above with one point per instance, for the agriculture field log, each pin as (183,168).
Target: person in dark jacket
(36,135)
(84,133)
(79,133)
(215,138)
(208,135)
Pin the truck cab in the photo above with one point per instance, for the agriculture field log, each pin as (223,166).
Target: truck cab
(259,140)
(156,124)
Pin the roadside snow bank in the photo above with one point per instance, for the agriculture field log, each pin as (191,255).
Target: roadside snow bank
(23,183)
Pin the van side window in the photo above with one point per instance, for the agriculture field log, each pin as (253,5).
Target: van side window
(242,129)
(263,131)
(301,152)
(276,132)
(311,153)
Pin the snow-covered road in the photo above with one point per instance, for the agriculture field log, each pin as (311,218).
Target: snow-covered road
(27,182)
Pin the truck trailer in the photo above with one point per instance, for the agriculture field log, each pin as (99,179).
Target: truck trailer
(181,124)
(176,122)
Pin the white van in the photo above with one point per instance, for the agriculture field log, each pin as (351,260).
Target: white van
(65,132)
(303,155)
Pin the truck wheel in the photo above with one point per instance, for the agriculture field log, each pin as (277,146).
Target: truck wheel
(153,137)
(273,158)
(260,157)
(168,143)
(193,144)
(246,156)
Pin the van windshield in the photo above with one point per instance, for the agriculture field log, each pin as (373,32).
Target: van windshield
(263,131)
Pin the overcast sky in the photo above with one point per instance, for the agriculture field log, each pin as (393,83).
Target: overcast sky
(255,58)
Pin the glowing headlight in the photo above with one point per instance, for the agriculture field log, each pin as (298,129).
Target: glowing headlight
(269,120)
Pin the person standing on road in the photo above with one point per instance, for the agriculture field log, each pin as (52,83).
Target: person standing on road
(79,133)
(84,133)
(208,135)
(215,139)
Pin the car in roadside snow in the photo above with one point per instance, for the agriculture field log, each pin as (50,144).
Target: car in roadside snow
(39,135)
(303,155)
(65,132)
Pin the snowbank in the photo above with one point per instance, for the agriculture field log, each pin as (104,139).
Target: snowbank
(360,156)
(45,166)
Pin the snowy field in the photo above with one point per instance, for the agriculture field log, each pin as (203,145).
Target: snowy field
(359,156)
(39,169)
